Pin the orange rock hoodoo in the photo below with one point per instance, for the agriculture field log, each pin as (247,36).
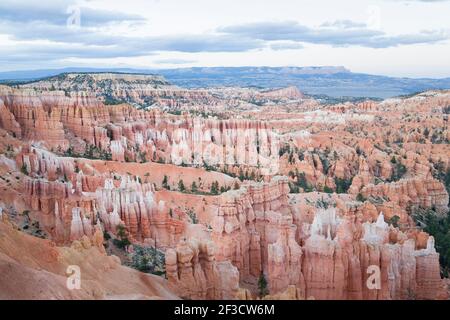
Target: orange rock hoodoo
(315,225)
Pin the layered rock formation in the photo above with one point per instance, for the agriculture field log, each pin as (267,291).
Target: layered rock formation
(347,250)
(34,268)
(194,273)
(213,204)
(412,193)
(132,135)
(45,116)
(153,90)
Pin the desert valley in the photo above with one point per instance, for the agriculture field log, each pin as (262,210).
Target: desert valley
(150,190)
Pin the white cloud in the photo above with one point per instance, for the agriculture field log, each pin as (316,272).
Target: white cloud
(216,33)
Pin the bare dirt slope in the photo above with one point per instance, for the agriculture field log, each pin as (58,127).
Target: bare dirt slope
(33,268)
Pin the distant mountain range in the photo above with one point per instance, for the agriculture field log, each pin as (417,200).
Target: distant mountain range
(331,81)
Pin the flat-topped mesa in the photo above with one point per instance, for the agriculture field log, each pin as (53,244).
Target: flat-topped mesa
(129,77)
(101,81)
(112,88)
(147,90)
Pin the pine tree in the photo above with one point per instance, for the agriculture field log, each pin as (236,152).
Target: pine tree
(241,174)
(122,236)
(181,186)
(24,169)
(165,183)
(262,285)
(215,187)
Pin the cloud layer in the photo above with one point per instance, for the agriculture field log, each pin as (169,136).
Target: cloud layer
(55,12)
(38,31)
(337,33)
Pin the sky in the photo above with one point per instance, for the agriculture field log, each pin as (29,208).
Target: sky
(406,38)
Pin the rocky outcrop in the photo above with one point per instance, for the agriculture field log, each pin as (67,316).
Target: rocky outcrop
(129,134)
(153,90)
(247,221)
(371,268)
(348,250)
(133,205)
(45,116)
(34,268)
(8,122)
(411,193)
(309,245)
(291,93)
(194,273)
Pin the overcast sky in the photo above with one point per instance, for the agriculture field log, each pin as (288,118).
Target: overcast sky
(389,37)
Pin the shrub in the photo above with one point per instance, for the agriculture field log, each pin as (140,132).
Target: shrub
(24,169)
(148,260)
(241,175)
(106,235)
(437,226)
(122,240)
(293,188)
(26,214)
(181,186)
(262,285)
(398,172)
(342,185)
(215,187)
(394,221)
(300,182)
(360,198)
(193,216)
(109,100)
(165,183)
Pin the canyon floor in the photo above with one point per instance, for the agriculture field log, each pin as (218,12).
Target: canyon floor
(125,186)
